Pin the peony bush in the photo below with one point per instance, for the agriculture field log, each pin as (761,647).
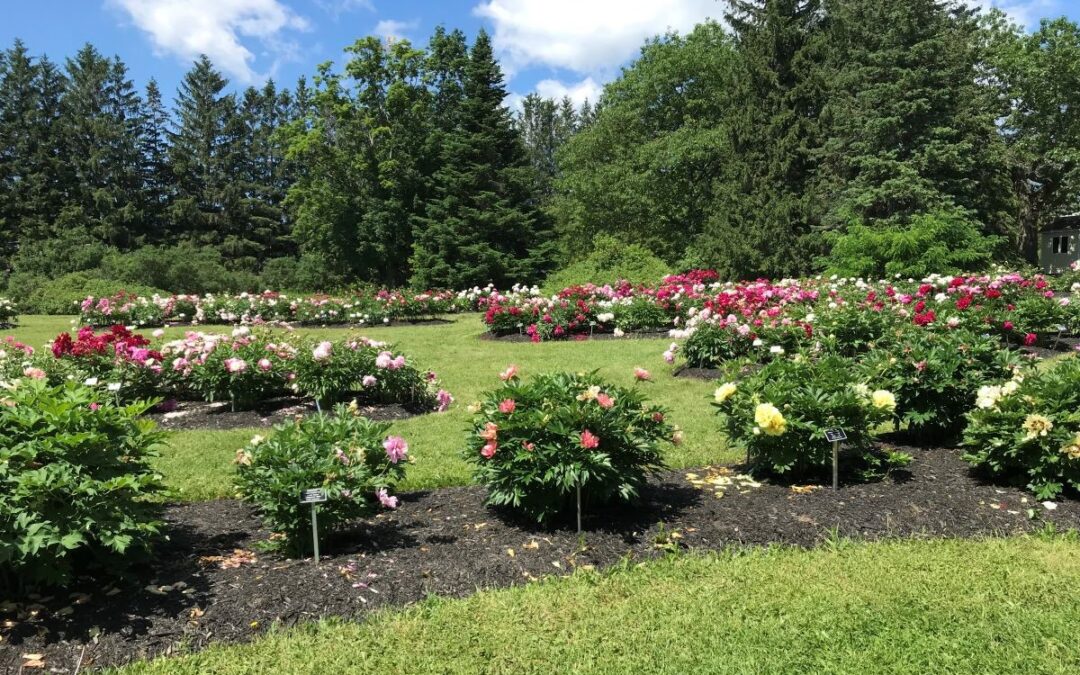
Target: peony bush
(77,492)
(350,457)
(780,413)
(9,314)
(1026,429)
(534,443)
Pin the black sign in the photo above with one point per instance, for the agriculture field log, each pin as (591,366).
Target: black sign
(835,435)
(313,496)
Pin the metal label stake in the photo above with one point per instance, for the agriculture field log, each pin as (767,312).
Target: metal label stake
(314,496)
(835,436)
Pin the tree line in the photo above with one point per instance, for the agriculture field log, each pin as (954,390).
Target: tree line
(774,144)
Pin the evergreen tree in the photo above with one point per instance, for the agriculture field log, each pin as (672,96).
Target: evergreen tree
(155,172)
(909,129)
(481,224)
(765,210)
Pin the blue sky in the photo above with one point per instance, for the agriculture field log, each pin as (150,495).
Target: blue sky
(555,47)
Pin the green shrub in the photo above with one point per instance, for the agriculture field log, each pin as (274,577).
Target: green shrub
(935,376)
(348,456)
(533,444)
(62,295)
(946,242)
(710,345)
(1028,429)
(779,414)
(852,329)
(76,488)
(609,262)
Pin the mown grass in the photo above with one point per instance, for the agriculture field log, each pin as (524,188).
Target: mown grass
(197,464)
(994,606)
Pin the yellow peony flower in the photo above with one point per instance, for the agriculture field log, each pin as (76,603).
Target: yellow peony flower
(1037,425)
(987,396)
(724,392)
(769,419)
(883,399)
(1072,450)
(589,394)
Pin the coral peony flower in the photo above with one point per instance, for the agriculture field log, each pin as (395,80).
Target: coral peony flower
(396,448)
(508,374)
(642,375)
(606,402)
(589,440)
(507,406)
(488,451)
(490,432)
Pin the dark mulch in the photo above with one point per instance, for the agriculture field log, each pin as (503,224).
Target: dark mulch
(220,416)
(636,335)
(446,542)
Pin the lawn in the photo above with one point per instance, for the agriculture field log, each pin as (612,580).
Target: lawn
(198,464)
(901,607)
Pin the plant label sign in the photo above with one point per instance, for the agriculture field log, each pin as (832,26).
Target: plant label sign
(313,496)
(835,435)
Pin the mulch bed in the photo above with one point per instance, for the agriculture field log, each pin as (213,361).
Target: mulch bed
(446,542)
(636,335)
(190,415)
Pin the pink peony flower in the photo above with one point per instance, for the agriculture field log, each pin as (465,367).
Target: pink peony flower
(1030,339)
(369,381)
(444,400)
(605,401)
(490,432)
(589,440)
(322,352)
(385,499)
(642,375)
(488,451)
(34,373)
(528,446)
(95,406)
(158,333)
(507,406)
(397,363)
(396,448)
(383,360)
(265,365)
(235,365)
(509,374)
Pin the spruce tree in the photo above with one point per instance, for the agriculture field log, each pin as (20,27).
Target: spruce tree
(481,224)
(154,171)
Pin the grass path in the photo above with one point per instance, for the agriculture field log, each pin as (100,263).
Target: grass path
(198,464)
(995,606)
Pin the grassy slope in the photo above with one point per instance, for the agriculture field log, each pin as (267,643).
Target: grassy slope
(198,464)
(903,607)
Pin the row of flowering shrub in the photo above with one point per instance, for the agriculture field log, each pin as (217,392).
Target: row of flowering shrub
(763,313)
(360,309)
(244,367)
(9,314)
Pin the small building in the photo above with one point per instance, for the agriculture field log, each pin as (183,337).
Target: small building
(1059,245)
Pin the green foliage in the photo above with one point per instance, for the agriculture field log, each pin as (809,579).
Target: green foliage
(942,242)
(710,345)
(779,414)
(341,453)
(76,489)
(534,444)
(935,375)
(62,295)
(1028,429)
(610,261)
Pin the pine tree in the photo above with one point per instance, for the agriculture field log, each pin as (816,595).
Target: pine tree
(155,172)
(765,211)
(909,129)
(199,154)
(481,224)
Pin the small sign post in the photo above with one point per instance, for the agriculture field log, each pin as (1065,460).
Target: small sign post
(835,436)
(314,496)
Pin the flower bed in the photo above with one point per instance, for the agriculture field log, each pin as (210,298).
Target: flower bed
(360,309)
(244,368)
(9,314)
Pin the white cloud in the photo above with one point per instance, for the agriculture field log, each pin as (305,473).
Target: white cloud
(587,36)
(338,7)
(1023,12)
(587,89)
(393,29)
(217,28)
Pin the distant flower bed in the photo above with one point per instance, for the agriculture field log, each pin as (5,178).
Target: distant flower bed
(361,309)
(244,367)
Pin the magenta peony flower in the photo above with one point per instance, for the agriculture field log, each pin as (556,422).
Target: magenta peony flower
(1030,339)
(444,399)
(396,448)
